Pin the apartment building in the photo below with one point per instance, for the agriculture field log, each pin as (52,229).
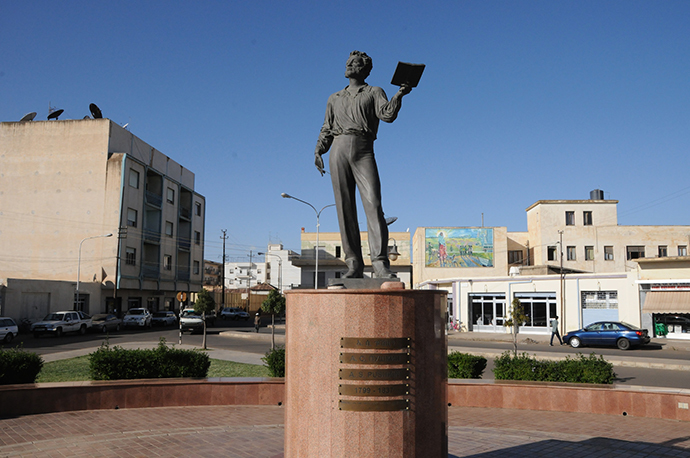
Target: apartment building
(88,197)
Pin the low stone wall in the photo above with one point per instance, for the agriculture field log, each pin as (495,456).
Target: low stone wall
(133,394)
(665,403)
(130,394)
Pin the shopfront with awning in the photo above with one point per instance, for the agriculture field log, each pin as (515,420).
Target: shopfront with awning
(671,308)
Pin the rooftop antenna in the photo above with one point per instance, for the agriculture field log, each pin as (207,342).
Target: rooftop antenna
(95,111)
(28,117)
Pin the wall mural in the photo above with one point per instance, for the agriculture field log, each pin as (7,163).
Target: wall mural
(459,247)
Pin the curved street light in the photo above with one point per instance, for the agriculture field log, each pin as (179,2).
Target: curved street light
(316,252)
(76,296)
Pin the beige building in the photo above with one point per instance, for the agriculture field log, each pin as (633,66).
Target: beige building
(332,259)
(574,262)
(64,187)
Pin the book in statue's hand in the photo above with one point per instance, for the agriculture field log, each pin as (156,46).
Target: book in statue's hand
(407,74)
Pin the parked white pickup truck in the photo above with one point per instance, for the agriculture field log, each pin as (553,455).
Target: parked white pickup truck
(57,323)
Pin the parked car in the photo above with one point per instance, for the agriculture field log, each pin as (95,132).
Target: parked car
(57,323)
(608,333)
(165,318)
(104,322)
(137,317)
(8,329)
(233,313)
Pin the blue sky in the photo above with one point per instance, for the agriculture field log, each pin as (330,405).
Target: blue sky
(520,101)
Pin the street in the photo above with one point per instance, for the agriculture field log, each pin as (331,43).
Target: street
(247,341)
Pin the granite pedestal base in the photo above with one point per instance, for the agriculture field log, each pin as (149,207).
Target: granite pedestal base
(366,374)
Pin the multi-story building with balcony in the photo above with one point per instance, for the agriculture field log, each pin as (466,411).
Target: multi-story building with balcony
(65,186)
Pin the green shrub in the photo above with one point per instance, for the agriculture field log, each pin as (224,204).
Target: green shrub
(275,361)
(19,366)
(462,365)
(116,363)
(582,369)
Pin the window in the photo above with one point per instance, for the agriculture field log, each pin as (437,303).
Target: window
(167,262)
(569,218)
(608,253)
(131,256)
(171,195)
(168,228)
(337,253)
(197,237)
(589,253)
(134,178)
(682,250)
(587,218)
(196,268)
(131,217)
(635,252)
(552,253)
(571,253)
(663,251)
(197,208)
(515,257)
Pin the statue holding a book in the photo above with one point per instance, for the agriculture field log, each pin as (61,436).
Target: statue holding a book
(349,130)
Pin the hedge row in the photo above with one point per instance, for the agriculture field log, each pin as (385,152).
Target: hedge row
(116,363)
(583,369)
(19,366)
(462,365)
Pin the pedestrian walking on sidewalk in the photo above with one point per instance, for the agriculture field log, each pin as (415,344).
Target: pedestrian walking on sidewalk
(554,331)
(257,322)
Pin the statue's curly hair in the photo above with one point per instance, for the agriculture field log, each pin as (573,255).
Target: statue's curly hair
(368,63)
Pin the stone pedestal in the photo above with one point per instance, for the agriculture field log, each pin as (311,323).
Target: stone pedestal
(366,374)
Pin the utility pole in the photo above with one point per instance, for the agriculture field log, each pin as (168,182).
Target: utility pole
(222,298)
(560,233)
(249,282)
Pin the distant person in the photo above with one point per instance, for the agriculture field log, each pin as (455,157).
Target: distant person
(554,331)
(257,321)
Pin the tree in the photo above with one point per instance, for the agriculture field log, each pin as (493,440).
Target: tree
(274,303)
(515,319)
(204,304)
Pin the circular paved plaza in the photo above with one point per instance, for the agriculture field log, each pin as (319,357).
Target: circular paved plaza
(257,431)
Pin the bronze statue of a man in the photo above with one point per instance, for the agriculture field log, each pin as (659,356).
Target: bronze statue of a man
(349,131)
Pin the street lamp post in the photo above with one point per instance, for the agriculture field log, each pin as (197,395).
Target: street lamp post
(76,296)
(316,252)
(280,269)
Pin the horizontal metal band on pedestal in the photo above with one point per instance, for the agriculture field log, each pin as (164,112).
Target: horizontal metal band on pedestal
(374,390)
(376,343)
(374,406)
(375,358)
(374,374)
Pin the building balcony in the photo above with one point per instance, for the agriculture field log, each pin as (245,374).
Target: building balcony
(152,236)
(183,274)
(150,270)
(184,244)
(154,199)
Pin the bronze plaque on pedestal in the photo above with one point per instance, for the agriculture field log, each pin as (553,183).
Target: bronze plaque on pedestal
(374,374)
(375,358)
(376,343)
(374,406)
(374,390)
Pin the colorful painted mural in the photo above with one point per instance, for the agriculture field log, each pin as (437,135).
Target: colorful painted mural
(459,247)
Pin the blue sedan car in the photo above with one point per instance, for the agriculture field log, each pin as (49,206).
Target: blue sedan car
(608,333)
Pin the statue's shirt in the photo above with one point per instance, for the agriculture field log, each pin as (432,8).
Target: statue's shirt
(356,114)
